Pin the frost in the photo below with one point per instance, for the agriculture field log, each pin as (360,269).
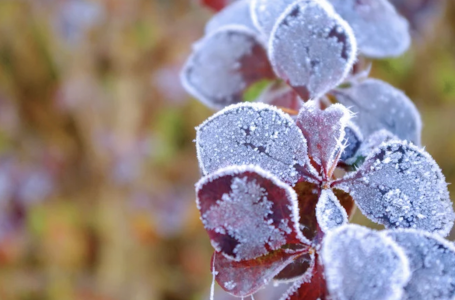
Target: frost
(401,186)
(238,13)
(352,142)
(379,105)
(311,48)
(256,134)
(363,264)
(432,262)
(379,30)
(247,212)
(324,131)
(329,212)
(224,64)
(266,12)
(372,142)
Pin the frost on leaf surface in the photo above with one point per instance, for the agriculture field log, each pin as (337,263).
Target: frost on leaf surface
(252,133)
(352,142)
(243,278)
(379,30)
(432,263)
(224,64)
(324,131)
(311,48)
(247,212)
(371,143)
(265,13)
(363,264)
(378,105)
(401,186)
(237,13)
(329,212)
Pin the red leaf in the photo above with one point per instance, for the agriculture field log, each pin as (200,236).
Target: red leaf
(308,196)
(283,98)
(246,277)
(298,268)
(216,4)
(248,212)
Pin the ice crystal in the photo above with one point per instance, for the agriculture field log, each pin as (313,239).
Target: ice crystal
(256,134)
(329,212)
(378,105)
(379,30)
(311,47)
(237,13)
(363,264)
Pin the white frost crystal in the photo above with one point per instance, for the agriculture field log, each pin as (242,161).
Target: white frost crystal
(329,212)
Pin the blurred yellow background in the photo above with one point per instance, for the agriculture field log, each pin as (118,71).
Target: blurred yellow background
(97,160)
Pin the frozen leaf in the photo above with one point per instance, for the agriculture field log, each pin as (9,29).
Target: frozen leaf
(353,139)
(309,288)
(217,4)
(432,262)
(247,212)
(224,64)
(265,13)
(378,105)
(363,264)
(379,30)
(324,132)
(401,186)
(252,133)
(246,277)
(311,48)
(237,13)
(329,212)
(299,268)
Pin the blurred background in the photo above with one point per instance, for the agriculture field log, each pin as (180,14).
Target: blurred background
(97,160)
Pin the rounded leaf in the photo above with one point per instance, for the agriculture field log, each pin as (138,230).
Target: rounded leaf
(329,212)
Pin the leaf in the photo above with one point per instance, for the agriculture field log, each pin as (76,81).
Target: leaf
(299,268)
(246,277)
(379,30)
(308,196)
(329,212)
(224,64)
(324,131)
(309,288)
(378,105)
(248,212)
(238,13)
(363,264)
(353,139)
(401,186)
(265,13)
(311,48)
(252,133)
(432,261)
(284,97)
(217,5)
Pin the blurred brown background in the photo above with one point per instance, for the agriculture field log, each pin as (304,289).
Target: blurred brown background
(97,160)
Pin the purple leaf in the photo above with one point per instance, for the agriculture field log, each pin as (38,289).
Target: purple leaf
(265,13)
(238,13)
(248,212)
(379,30)
(224,64)
(363,264)
(432,261)
(401,186)
(378,105)
(252,133)
(311,48)
(300,268)
(329,212)
(324,132)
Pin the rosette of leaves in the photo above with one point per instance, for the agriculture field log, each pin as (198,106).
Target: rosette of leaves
(299,50)
(269,194)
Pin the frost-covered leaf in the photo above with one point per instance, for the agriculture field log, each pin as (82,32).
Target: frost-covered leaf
(284,97)
(311,48)
(363,264)
(432,262)
(217,4)
(309,288)
(324,132)
(378,105)
(248,212)
(329,212)
(308,196)
(252,133)
(243,278)
(401,186)
(300,267)
(353,139)
(265,13)
(224,64)
(379,30)
(237,13)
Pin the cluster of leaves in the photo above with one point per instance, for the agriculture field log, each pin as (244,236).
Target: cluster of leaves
(270,198)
